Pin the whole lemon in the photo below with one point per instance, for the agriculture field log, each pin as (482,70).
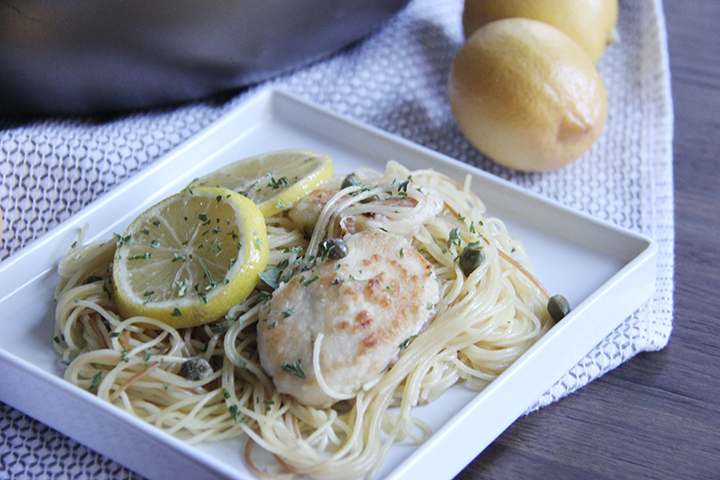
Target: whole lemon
(526,95)
(591,23)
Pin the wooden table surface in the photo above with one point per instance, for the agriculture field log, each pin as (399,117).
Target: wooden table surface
(658,415)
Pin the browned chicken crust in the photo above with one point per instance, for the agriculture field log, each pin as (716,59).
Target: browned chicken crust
(365,305)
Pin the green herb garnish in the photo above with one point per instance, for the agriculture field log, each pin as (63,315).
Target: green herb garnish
(272,277)
(294,369)
(454,237)
(406,342)
(97,378)
(279,183)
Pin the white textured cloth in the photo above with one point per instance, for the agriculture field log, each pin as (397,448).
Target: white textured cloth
(396,80)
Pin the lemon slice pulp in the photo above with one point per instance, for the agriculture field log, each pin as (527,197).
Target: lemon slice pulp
(187,260)
(273,180)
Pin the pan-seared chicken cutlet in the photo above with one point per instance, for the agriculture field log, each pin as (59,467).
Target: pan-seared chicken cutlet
(412,213)
(366,305)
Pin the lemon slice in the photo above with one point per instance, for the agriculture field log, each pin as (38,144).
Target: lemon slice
(273,180)
(187,260)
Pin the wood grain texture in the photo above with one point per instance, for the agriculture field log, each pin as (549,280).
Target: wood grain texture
(657,416)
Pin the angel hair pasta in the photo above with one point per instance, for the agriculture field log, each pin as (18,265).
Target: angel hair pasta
(381,291)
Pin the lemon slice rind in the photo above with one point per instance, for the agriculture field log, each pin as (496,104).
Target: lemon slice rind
(274,180)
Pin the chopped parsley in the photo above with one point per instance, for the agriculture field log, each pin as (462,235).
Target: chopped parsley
(454,237)
(182,287)
(278,183)
(308,282)
(97,378)
(272,277)
(207,273)
(233,410)
(295,369)
(222,326)
(124,240)
(404,185)
(406,342)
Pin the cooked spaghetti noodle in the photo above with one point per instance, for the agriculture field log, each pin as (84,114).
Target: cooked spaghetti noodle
(482,323)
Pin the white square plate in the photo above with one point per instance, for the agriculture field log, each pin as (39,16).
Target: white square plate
(605,272)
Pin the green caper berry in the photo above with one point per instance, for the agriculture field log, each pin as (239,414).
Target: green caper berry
(350,181)
(470,259)
(195,368)
(558,307)
(333,248)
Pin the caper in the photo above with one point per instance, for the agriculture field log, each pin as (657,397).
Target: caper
(351,181)
(195,368)
(471,258)
(558,307)
(333,248)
